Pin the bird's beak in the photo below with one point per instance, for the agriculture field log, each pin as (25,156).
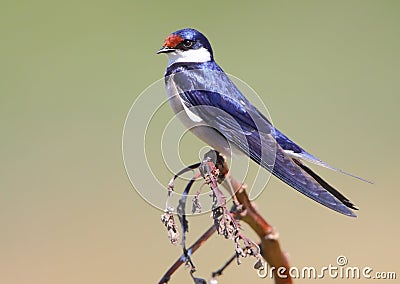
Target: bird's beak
(165,49)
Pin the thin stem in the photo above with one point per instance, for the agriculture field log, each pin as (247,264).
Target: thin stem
(181,260)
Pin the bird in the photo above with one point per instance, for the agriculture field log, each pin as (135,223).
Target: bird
(215,110)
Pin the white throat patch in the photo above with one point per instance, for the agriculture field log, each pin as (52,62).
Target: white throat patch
(191,55)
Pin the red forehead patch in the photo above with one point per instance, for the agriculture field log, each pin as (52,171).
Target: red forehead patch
(172,41)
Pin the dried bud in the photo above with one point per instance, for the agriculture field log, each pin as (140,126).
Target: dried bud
(168,220)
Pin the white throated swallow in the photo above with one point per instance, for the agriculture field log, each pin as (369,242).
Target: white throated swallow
(217,112)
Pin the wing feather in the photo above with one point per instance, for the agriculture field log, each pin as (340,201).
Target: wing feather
(242,124)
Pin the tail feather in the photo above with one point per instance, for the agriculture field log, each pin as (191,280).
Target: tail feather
(308,183)
(310,158)
(326,185)
(295,151)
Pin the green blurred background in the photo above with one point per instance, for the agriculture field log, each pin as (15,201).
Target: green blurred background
(70,70)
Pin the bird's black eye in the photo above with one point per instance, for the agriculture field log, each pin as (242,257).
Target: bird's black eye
(187,43)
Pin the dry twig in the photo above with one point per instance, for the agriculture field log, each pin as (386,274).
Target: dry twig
(215,171)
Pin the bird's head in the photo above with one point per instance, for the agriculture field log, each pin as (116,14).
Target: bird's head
(187,45)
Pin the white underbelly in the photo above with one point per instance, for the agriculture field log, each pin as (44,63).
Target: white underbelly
(197,126)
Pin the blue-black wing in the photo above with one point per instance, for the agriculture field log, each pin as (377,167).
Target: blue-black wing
(217,101)
(252,133)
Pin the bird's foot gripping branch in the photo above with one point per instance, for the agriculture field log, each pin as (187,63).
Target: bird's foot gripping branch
(214,170)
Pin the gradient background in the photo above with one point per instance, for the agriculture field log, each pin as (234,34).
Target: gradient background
(327,70)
